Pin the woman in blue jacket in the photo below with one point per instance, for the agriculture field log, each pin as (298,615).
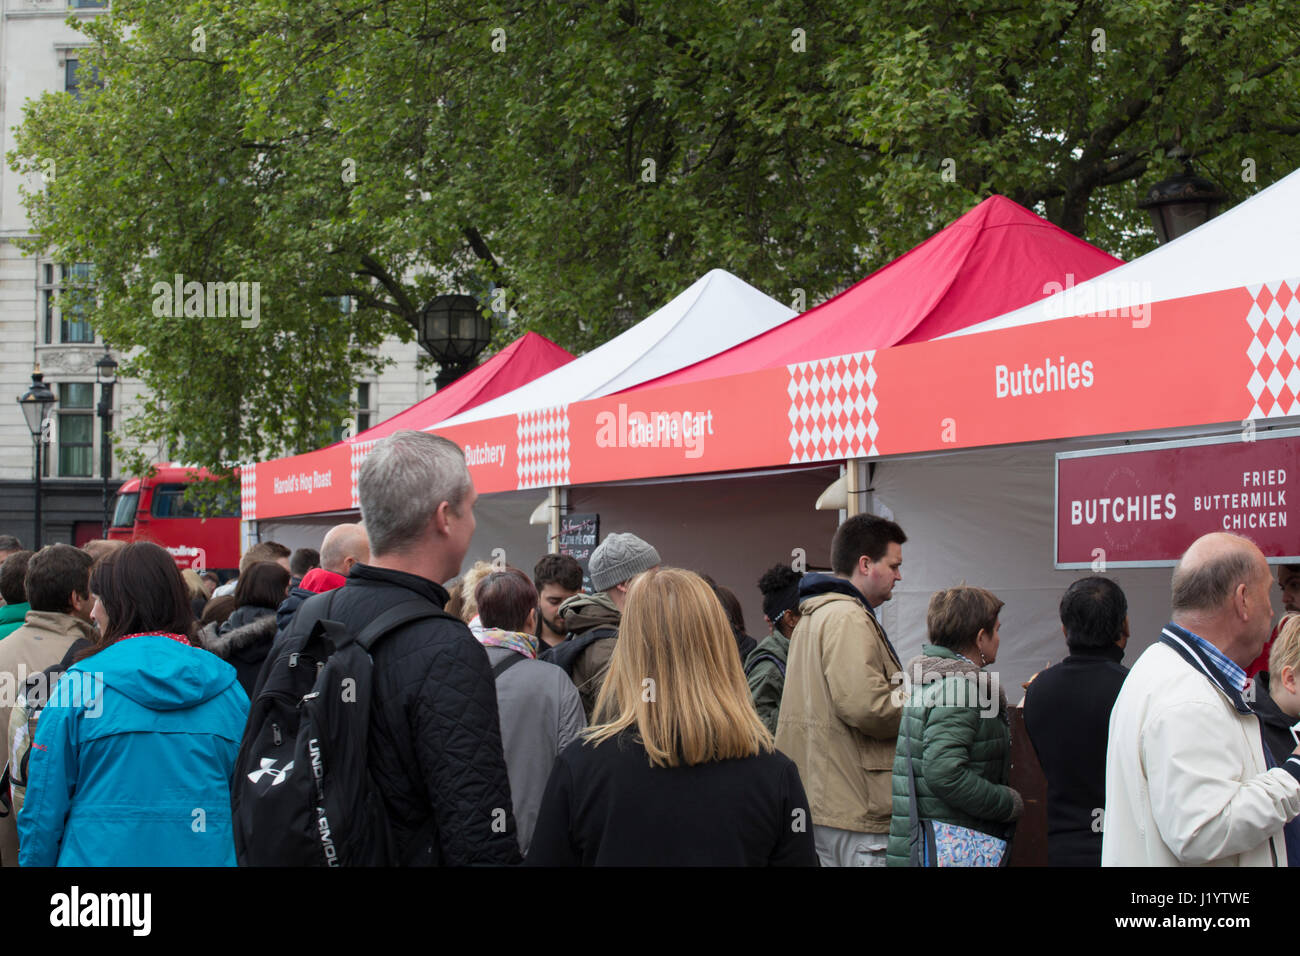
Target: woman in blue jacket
(133,754)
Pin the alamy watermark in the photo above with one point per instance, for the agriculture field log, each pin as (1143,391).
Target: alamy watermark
(208,300)
(1100,297)
(964,689)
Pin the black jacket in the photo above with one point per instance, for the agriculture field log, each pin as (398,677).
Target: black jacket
(1275,729)
(1067,717)
(244,640)
(1274,726)
(435,739)
(605,805)
(289,607)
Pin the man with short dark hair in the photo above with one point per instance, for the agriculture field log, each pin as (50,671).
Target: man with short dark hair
(557,578)
(842,701)
(1188,782)
(300,562)
(1067,717)
(1288,580)
(58,589)
(262,551)
(8,545)
(13,572)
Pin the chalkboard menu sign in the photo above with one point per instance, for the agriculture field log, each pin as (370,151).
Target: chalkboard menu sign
(579,535)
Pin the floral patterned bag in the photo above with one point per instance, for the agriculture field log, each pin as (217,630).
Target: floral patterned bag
(945,844)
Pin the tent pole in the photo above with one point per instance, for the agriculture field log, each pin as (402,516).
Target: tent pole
(558,505)
(854,487)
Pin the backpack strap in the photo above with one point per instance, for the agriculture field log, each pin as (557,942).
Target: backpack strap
(414,610)
(319,609)
(765,656)
(505,665)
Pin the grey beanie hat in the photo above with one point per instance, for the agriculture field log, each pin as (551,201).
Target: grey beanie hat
(620,557)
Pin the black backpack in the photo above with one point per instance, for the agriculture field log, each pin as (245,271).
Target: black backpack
(565,654)
(302,792)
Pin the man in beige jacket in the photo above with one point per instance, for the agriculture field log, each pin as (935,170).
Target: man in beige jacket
(58,589)
(843,695)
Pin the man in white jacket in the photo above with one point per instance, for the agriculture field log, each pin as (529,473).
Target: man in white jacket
(1187,779)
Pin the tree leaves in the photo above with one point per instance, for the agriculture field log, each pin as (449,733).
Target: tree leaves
(592,160)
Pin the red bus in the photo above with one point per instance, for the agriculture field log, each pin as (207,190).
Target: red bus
(154,509)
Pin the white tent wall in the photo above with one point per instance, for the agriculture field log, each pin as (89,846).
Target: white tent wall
(986,517)
(304,532)
(733,528)
(501,521)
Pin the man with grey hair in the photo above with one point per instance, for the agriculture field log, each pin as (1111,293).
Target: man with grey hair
(1189,781)
(592,619)
(435,750)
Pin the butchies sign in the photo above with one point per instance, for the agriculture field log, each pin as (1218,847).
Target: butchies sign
(1142,505)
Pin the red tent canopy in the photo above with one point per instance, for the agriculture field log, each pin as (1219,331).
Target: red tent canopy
(996,258)
(523,360)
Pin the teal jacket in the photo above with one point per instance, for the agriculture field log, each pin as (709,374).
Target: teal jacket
(12,617)
(132,760)
(956,722)
(765,672)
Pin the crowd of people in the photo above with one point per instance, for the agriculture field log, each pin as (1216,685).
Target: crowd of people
(369,703)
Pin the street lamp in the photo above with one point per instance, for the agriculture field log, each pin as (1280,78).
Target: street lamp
(1181,203)
(37,403)
(106,376)
(454,330)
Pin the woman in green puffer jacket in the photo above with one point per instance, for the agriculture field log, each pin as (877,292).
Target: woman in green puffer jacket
(956,724)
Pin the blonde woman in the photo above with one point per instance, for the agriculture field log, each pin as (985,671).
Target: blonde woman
(677,768)
(1277,704)
(1277,691)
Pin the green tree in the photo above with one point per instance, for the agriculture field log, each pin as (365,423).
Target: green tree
(592,160)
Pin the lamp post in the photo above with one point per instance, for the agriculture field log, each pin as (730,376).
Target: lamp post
(453,329)
(106,376)
(37,403)
(1181,203)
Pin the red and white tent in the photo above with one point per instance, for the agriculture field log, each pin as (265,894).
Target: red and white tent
(1200,334)
(772,416)
(714,313)
(325,480)
(814,388)
(997,255)
(527,358)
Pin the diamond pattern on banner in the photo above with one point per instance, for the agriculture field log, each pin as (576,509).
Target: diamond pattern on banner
(358,452)
(248,492)
(1274,320)
(543,449)
(833,408)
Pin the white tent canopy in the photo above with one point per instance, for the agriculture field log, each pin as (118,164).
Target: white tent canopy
(717,312)
(1252,243)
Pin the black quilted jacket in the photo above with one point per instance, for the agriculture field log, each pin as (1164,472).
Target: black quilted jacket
(435,740)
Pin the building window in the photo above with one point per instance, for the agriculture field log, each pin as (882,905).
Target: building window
(75,79)
(64,293)
(47,289)
(361,411)
(74,326)
(364,410)
(76,429)
(87,4)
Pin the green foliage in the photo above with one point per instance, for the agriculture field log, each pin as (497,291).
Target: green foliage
(593,160)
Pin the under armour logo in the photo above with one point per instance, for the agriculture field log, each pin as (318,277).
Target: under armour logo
(268,767)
